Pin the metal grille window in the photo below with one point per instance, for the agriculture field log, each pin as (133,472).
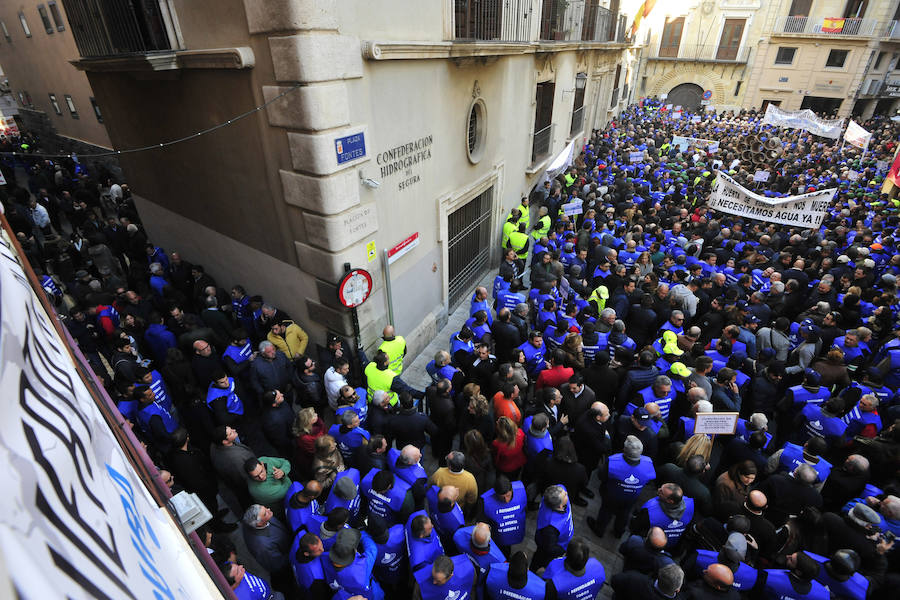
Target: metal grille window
(113,27)
(476,126)
(55,104)
(469,246)
(785,56)
(57,16)
(45,18)
(837,58)
(96,108)
(24,23)
(71,106)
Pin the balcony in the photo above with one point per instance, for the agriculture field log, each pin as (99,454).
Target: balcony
(540,146)
(106,28)
(826,26)
(892,32)
(707,53)
(534,20)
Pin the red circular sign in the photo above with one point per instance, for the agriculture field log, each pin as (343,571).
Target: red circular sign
(355,288)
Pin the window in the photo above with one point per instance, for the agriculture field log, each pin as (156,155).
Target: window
(671,37)
(96,108)
(475,129)
(5,31)
(800,8)
(71,106)
(878,60)
(874,86)
(837,58)
(785,56)
(737,88)
(856,9)
(24,24)
(543,120)
(57,16)
(55,104)
(45,18)
(732,33)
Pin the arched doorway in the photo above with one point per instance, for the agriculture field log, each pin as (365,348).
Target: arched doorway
(686,95)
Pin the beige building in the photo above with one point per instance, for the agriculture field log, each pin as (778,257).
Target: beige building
(832,56)
(419,120)
(52,96)
(699,52)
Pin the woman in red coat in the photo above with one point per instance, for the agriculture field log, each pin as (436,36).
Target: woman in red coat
(508,448)
(308,427)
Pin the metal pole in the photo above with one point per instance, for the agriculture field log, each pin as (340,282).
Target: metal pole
(387,286)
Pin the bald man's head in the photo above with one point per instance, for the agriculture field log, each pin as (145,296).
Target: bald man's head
(448,493)
(656,538)
(312,488)
(718,576)
(756,500)
(481,536)
(388,332)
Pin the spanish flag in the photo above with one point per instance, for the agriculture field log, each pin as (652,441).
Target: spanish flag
(832,25)
(642,11)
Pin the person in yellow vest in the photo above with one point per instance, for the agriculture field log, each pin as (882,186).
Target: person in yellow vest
(599,297)
(380,377)
(519,241)
(395,347)
(524,212)
(570,178)
(542,227)
(512,224)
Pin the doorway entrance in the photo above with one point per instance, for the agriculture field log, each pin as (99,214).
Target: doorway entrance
(686,95)
(469,246)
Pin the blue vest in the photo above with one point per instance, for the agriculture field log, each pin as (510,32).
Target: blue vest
(457,344)
(159,388)
(803,396)
(252,587)
(576,587)
(664,403)
(475,306)
(534,357)
(390,563)
(238,355)
(360,407)
(535,445)
(348,441)
(561,521)
(744,578)
(409,474)
(446,523)
(462,538)
(864,418)
(792,457)
(625,481)
(674,528)
(50,286)
(306,573)
(500,284)
(421,550)
(351,505)
(743,432)
(154,409)
(298,518)
(854,588)
(458,587)
(498,587)
(110,312)
(386,505)
(351,578)
(821,426)
(778,587)
(233,403)
(507,519)
(508,299)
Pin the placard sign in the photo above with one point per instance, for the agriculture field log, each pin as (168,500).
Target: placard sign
(882,165)
(761,176)
(635,157)
(716,423)
(852,175)
(573,208)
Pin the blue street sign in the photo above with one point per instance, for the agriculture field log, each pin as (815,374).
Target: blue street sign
(350,147)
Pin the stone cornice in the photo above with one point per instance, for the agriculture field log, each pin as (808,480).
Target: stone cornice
(394,50)
(214,58)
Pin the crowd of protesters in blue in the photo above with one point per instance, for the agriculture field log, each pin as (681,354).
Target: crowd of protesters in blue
(606,332)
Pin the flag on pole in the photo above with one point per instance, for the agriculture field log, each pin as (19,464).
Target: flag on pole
(832,25)
(856,135)
(894,173)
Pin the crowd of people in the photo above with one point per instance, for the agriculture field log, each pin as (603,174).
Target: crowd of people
(608,332)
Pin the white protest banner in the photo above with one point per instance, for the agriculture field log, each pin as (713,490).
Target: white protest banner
(716,423)
(761,176)
(682,143)
(803,119)
(76,519)
(634,157)
(573,208)
(669,106)
(696,119)
(882,165)
(852,175)
(856,135)
(806,210)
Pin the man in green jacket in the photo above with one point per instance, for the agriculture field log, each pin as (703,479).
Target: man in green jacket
(269,481)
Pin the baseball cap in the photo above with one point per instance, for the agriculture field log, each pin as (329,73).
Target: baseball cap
(742,304)
(344,550)
(735,547)
(843,258)
(754,319)
(344,488)
(863,515)
(679,370)
(641,414)
(812,376)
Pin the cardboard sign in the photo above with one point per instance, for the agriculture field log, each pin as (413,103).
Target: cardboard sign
(573,208)
(716,423)
(761,176)
(635,157)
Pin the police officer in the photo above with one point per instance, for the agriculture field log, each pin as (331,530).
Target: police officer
(794,583)
(306,563)
(379,376)
(542,226)
(422,541)
(514,580)
(576,576)
(554,528)
(504,509)
(518,241)
(622,480)
(475,542)
(512,224)
(446,578)
(395,347)
(670,510)
(389,497)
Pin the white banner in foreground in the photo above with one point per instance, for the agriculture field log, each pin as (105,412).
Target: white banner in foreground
(856,135)
(806,210)
(75,519)
(803,119)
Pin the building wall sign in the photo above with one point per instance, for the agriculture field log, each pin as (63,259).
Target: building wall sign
(892,88)
(350,147)
(402,160)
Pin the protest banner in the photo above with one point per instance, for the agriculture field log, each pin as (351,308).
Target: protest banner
(806,210)
(856,135)
(716,423)
(682,143)
(761,176)
(803,119)
(695,119)
(635,157)
(893,174)
(573,208)
(882,165)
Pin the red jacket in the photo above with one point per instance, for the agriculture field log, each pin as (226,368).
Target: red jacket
(554,377)
(509,459)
